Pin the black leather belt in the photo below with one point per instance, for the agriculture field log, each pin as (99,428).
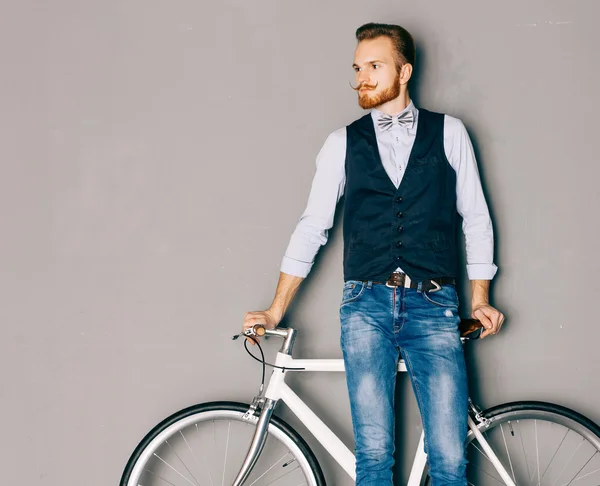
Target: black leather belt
(398,279)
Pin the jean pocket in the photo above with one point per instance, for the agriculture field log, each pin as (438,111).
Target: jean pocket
(445,297)
(353,289)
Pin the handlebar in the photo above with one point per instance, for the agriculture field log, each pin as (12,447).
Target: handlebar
(261,330)
(288,335)
(469,329)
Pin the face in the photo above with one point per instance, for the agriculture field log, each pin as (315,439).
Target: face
(377,78)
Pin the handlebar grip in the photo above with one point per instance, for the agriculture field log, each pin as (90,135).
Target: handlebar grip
(468,326)
(259,330)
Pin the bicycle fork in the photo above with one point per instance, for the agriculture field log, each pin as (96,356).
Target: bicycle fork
(259,439)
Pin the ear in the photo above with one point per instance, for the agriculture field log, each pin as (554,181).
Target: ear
(405,73)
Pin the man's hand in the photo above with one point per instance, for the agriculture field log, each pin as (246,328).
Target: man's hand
(270,318)
(267,318)
(490,317)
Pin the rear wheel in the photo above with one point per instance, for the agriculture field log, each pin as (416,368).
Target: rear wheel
(538,443)
(206,444)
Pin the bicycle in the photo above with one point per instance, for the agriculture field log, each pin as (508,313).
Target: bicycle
(517,443)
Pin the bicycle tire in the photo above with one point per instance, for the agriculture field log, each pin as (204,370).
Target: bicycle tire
(536,410)
(278,429)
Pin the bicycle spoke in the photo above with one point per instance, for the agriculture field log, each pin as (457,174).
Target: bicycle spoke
(214,434)
(555,452)
(160,477)
(169,465)
(537,452)
(524,453)
(585,475)
(568,462)
(493,477)
(183,463)
(481,452)
(226,449)
(205,461)
(512,470)
(582,467)
(274,464)
(489,460)
(283,475)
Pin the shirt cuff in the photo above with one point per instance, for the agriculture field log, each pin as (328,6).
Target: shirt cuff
(481,271)
(295,267)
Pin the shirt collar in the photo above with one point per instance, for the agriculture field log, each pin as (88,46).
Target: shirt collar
(376,114)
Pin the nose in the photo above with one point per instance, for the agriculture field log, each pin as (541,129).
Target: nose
(363,78)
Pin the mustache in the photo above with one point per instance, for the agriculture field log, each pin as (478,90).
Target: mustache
(363,85)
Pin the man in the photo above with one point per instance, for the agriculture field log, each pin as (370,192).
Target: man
(405,174)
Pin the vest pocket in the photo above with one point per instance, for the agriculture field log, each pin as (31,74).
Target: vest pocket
(438,243)
(425,160)
(359,240)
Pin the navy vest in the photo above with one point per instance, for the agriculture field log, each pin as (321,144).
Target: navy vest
(414,226)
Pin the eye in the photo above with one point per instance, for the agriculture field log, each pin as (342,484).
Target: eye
(375,65)
(356,69)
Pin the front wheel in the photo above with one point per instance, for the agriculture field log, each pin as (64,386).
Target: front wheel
(207,443)
(538,443)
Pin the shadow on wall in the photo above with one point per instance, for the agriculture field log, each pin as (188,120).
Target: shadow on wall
(462,280)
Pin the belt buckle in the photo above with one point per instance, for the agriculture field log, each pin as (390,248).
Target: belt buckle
(390,278)
(405,280)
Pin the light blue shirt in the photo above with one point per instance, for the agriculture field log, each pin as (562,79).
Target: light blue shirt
(394,145)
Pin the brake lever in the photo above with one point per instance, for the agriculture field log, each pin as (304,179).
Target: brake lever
(249,332)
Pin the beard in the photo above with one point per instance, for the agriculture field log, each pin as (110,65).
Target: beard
(366,100)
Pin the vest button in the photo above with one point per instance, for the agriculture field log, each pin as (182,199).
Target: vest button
(400,229)
(398,244)
(399,214)
(399,199)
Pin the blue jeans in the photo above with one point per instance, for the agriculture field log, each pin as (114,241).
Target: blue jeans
(377,323)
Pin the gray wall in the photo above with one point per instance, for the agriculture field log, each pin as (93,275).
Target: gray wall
(157,155)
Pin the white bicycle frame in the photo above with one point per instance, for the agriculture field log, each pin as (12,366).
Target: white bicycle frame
(278,389)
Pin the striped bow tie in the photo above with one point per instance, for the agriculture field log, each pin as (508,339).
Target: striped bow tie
(404,119)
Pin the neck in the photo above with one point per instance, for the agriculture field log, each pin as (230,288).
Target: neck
(396,105)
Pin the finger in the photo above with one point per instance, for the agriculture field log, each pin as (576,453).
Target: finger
(251,322)
(498,318)
(485,333)
(487,324)
(499,325)
(500,322)
(485,320)
(494,327)
(252,341)
(246,328)
(491,315)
